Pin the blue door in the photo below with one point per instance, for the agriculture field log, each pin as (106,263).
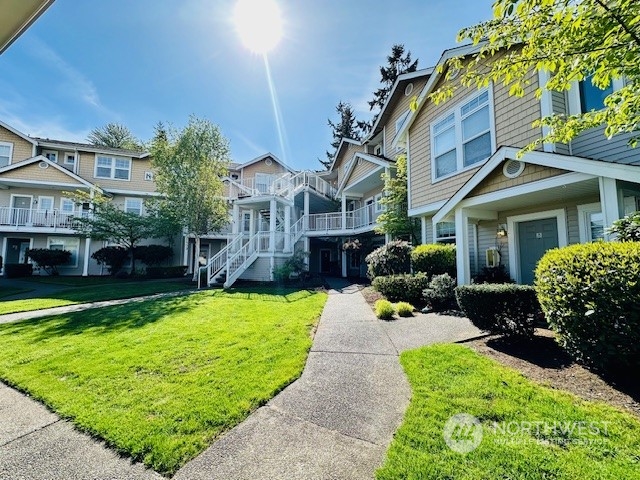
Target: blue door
(535,238)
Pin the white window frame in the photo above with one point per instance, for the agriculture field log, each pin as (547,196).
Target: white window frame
(66,159)
(573,95)
(584,221)
(64,241)
(457,125)
(449,239)
(65,200)
(112,167)
(10,145)
(136,210)
(401,119)
(49,197)
(379,208)
(51,152)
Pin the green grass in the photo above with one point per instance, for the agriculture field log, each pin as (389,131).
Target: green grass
(160,380)
(75,281)
(91,293)
(9,291)
(451,379)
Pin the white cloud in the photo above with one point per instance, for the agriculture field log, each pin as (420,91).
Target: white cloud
(45,127)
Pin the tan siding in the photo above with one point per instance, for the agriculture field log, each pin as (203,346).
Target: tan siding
(361,170)
(400,106)
(497,181)
(347,154)
(21,148)
(34,173)
(261,167)
(86,169)
(5,195)
(513,117)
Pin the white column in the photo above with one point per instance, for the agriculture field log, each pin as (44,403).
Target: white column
(287,228)
(423,230)
(87,249)
(185,251)
(610,202)
(306,209)
(235,223)
(387,238)
(344,263)
(462,247)
(307,250)
(344,212)
(273,208)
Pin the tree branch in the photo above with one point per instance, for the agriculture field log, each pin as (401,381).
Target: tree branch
(618,18)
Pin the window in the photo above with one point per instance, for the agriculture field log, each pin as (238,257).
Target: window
(590,222)
(70,159)
(400,121)
(113,167)
(45,203)
(463,137)
(246,222)
(592,97)
(50,155)
(67,206)
(133,205)
(379,206)
(445,232)
(66,243)
(6,150)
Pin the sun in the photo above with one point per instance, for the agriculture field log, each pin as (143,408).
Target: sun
(259,24)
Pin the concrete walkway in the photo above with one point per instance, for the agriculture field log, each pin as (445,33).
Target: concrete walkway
(335,422)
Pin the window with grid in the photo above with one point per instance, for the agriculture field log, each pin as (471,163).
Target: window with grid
(445,232)
(113,167)
(133,205)
(5,153)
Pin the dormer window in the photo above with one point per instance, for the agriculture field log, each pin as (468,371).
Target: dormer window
(70,160)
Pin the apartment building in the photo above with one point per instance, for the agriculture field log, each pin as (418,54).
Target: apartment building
(468,186)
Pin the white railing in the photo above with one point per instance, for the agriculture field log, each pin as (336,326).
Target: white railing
(285,185)
(29,217)
(327,222)
(297,229)
(237,262)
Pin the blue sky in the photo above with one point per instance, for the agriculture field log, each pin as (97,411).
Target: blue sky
(84,64)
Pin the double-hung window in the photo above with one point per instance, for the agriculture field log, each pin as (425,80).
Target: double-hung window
(445,232)
(590,222)
(67,206)
(66,243)
(463,137)
(6,149)
(113,167)
(133,205)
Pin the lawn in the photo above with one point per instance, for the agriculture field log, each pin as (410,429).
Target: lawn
(94,292)
(74,281)
(9,291)
(160,380)
(529,431)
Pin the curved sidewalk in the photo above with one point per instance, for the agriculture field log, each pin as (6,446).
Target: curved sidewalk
(337,420)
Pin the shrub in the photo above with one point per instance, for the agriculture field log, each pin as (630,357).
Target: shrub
(112,257)
(294,265)
(384,309)
(167,272)
(627,229)
(504,309)
(434,259)
(49,259)
(153,254)
(390,259)
(497,274)
(590,295)
(17,270)
(404,309)
(441,292)
(402,288)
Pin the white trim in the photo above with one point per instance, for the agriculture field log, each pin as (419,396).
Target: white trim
(20,195)
(352,164)
(408,159)
(426,209)
(128,200)
(10,145)
(61,205)
(611,200)
(264,157)
(512,228)
(18,133)
(42,182)
(376,200)
(546,106)
(64,238)
(132,192)
(51,197)
(40,158)
(56,153)
(584,225)
(113,159)
(344,141)
(75,159)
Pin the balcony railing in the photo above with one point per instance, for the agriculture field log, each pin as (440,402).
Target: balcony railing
(33,218)
(354,220)
(285,185)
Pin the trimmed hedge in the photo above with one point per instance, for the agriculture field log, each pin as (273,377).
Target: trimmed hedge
(504,309)
(590,294)
(390,259)
(17,270)
(167,272)
(384,310)
(402,288)
(434,259)
(152,255)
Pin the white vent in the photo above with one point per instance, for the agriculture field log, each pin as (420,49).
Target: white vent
(408,89)
(512,168)
(268,162)
(43,165)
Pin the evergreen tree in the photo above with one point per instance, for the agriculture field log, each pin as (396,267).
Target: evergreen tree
(346,127)
(398,63)
(114,135)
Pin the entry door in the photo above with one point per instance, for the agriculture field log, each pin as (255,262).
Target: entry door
(325,261)
(21,210)
(535,238)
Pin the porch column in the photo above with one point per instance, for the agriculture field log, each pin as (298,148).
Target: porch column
(307,251)
(306,209)
(423,230)
(462,246)
(387,238)
(344,212)
(87,249)
(185,250)
(273,209)
(235,223)
(287,228)
(610,202)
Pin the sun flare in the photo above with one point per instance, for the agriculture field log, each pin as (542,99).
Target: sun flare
(259,24)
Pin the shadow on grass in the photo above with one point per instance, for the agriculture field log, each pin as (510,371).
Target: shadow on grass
(267,294)
(135,314)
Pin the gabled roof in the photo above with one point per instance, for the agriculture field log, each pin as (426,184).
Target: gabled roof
(344,141)
(87,147)
(432,82)
(17,17)
(381,162)
(401,79)
(18,133)
(566,162)
(41,158)
(263,157)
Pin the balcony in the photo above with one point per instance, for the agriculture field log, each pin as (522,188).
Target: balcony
(285,185)
(362,219)
(32,219)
